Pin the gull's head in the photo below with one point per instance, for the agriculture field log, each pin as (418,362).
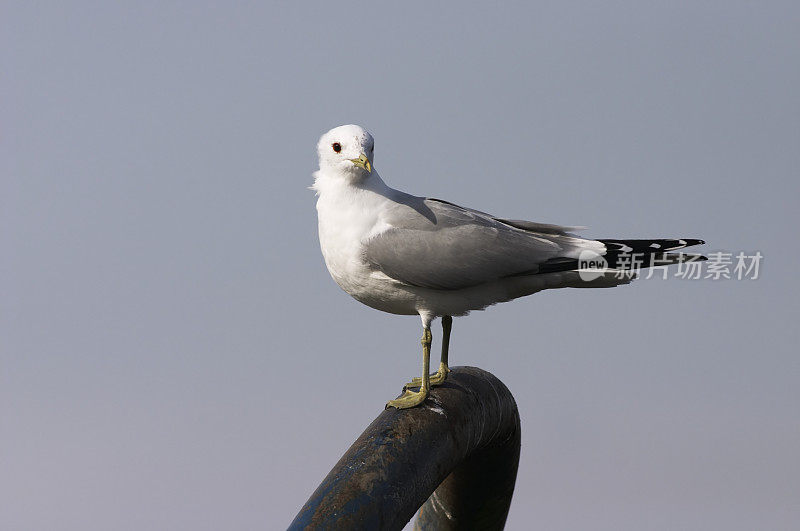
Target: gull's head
(346,150)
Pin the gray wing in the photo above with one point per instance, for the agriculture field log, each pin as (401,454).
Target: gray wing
(435,244)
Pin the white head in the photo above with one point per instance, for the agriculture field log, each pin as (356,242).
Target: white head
(346,150)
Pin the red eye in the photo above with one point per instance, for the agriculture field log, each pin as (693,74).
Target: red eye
(337,147)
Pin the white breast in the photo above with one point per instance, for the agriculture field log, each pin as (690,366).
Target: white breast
(341,231)
(348,217)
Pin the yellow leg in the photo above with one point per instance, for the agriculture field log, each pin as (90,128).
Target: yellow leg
(411,398)
(439,376)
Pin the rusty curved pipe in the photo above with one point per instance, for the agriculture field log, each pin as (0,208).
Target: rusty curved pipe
(456,456)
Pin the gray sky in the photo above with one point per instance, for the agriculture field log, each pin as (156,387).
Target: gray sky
(175,355)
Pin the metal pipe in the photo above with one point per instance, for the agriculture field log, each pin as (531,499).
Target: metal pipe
(456,456)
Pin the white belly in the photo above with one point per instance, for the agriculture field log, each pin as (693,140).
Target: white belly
(342,229)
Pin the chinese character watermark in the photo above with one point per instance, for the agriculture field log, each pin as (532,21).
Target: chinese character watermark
(719,265)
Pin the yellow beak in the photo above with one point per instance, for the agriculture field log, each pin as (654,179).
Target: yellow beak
(363,162)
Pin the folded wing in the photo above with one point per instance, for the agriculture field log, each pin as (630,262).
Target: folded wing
(439,245)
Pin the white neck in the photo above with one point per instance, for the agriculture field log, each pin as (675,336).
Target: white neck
(349,210)
(327,181)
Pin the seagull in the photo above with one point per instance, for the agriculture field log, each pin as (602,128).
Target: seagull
(411,255)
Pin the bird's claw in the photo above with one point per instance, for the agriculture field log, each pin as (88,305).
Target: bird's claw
(436,378)
(408,399)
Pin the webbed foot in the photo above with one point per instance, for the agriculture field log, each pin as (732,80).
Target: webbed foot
(436,378)
(408,399)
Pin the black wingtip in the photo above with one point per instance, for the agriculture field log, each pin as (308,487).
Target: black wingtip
(650,246)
